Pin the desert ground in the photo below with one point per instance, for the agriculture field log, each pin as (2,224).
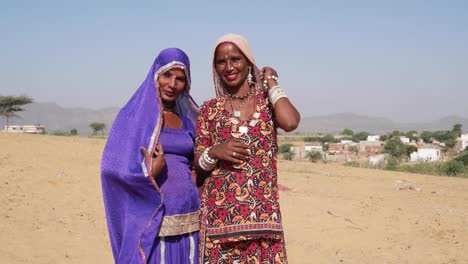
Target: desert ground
(52,209)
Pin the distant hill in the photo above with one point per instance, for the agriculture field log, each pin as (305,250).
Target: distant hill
(337,122)
(57,118)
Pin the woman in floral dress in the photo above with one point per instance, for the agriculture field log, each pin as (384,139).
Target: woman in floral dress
(236,149)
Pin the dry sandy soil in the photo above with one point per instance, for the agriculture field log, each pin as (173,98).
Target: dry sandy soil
(52,210)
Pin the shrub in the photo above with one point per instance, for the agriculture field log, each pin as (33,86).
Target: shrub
(285,148)
(392,163)
(463,157)
(288,155)
(352,164)
(454,168)
(314,156)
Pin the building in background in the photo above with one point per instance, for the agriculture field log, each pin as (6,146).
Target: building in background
(31,129)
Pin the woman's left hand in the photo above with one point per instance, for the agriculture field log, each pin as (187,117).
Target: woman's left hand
(268,72)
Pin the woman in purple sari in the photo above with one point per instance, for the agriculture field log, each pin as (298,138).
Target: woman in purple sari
(151,200)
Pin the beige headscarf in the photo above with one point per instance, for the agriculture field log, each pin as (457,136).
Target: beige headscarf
(244,46)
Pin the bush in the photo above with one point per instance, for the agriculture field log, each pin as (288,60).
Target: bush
(454,168)
(285,148)
(314,156)
(352,164)
(392,163)
(73,132)
(288,155)
(463,157)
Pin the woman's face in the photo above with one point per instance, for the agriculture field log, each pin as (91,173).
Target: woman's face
(171,84)
(231,65)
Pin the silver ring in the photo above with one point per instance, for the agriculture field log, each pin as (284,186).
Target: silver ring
(234,154)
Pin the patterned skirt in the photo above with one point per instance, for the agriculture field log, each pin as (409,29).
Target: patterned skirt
(256,251)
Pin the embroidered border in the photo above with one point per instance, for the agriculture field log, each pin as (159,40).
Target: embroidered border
(254,228)
(180,224)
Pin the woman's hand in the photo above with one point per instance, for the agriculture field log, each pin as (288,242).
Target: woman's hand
(232,151)
(269,72)
(159,161)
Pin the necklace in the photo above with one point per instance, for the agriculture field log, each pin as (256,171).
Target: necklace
(168,109)
(236,110)
(242,97)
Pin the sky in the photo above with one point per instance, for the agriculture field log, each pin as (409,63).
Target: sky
(403,60)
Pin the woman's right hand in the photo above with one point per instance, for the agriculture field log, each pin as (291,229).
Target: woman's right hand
(232,151)
(159,160)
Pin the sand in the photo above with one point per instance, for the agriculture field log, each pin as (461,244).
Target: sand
(52,209)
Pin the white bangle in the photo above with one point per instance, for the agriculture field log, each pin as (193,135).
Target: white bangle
(276,93)
(206,162)
(271,77)
(204,165)
(208,158)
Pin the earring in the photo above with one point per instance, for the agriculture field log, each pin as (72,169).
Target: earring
(249,76)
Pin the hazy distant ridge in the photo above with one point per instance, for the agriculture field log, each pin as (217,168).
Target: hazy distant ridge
(337,122)
(55,117)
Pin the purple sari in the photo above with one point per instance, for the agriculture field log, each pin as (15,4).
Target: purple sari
(134,202)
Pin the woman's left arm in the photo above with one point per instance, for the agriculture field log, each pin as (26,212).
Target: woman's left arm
(286,115)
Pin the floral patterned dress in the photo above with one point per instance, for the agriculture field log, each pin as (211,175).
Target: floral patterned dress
(241,219)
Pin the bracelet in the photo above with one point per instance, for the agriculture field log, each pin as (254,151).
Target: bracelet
(208,158)
(276,93)
(204,165)
(271,77)
(206,162)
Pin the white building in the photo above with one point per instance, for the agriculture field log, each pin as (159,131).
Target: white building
(405,140)
(425,155)
(309,148)
(346,141)
(373,138)
(464,141)
(32,129)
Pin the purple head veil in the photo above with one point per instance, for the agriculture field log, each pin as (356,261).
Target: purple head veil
(132,199)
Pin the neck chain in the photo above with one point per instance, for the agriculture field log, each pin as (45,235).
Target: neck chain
(242,97)
(168,109)
(236,110)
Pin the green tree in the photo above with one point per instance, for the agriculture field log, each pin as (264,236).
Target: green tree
(328,138)
(463,157)
(395,148)
(9,105)
(314,156)
(412,135)
(396,133)
(410,149)
(98,127)
(426,136)
(289,155)
(454,168)
(360,136)
(347,132)
(457,128)
(285,148)
(73,132)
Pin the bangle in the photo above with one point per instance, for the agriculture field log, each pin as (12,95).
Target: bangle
(276,93)
(271,77)
(206,162)
(208,158)
(204,165)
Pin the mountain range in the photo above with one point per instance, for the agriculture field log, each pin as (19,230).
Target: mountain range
(57,118)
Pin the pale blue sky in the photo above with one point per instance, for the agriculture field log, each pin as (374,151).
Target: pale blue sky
(406,60)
